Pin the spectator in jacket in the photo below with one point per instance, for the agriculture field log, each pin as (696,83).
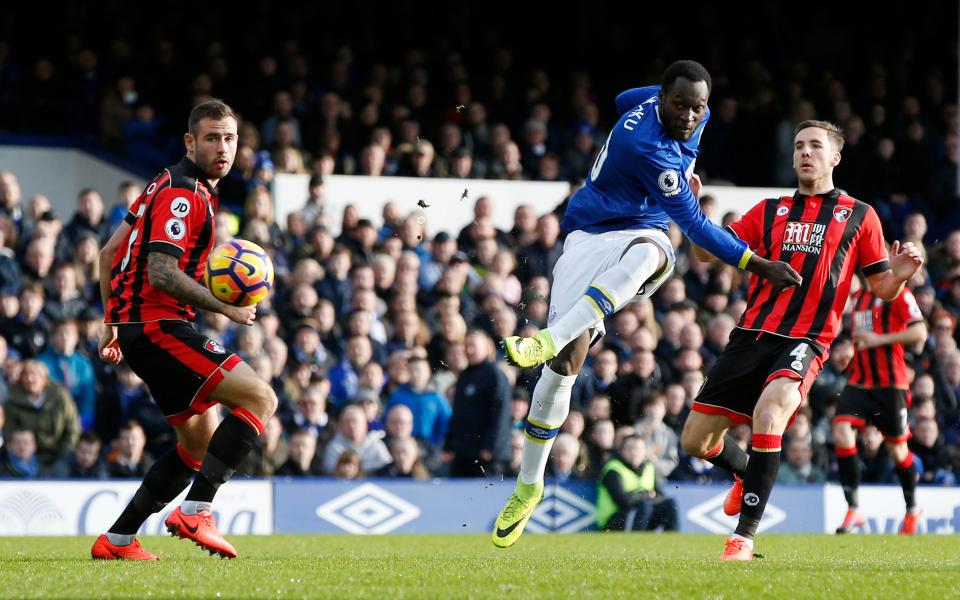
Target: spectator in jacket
(28,331)
(129,458)
(798,466)
(406,463)
(45,408)
(353,434)
(663,441)
(478,441)
(928,446)
(66,299)
(85,462)
(18,458)
(629,497)
(72,370)
(302,456)
(431,411)
(564,463)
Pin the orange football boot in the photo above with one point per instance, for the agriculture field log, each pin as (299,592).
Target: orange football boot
(201,529)
(736,549)
(854,520)
(910,521)
(731,504)
(104,550)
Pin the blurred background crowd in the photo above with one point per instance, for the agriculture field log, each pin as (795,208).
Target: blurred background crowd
(380,336)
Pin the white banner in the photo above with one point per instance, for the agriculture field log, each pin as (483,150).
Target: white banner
(447,209)
(884,508)
(90,507)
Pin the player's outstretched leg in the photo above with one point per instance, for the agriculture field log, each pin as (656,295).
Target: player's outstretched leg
(253,402)
(549,407)
(607,294)
(169,476)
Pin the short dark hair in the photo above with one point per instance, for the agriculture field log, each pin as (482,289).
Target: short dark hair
(210,109)
(88,437)
(688,69)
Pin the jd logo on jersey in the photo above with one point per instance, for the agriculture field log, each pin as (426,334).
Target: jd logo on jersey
(180,207)
(800,236)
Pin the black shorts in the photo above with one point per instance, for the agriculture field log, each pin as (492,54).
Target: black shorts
(180,366)
(886,408)
(751,360)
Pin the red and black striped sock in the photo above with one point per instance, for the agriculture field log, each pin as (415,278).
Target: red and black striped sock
(728,455)
(230,444)
(169,476)
(907,473)
(848,465)
(758,481)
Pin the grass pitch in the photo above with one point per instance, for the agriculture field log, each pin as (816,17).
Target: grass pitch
(468,566)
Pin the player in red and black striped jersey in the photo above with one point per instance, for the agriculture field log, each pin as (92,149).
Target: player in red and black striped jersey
(173,215)
(156,261)
(878,392)
(779,345)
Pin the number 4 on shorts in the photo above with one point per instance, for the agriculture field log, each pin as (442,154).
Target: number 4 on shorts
(799,353)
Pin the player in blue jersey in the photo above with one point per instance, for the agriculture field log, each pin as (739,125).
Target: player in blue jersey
(617,250)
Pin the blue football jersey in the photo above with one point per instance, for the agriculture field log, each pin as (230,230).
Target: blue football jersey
(639,181)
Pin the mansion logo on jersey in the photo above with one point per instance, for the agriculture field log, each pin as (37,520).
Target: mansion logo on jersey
(800,236)
(863,320)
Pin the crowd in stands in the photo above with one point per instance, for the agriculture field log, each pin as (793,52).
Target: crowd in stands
(380,344)
(380,338)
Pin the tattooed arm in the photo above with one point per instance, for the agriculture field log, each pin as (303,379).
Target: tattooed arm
(164,274)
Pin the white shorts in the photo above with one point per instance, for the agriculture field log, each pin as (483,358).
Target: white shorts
(587,255)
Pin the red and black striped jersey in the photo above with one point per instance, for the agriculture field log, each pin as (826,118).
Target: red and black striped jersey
(825,238)
(173,215)
(883,366)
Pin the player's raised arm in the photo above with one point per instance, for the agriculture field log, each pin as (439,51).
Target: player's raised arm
(670,189)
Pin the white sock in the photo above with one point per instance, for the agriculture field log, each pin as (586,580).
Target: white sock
(747,541)
(608,293)
(548,410)
(192,507)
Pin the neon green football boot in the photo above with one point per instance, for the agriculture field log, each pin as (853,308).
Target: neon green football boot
(529,352)
(513,518)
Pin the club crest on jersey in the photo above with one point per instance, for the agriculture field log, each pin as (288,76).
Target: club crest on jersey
(214,346)
(842,213)
(801,236)
(669,183)
(175,229)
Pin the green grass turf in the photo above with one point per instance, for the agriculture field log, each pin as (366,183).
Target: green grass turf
(468,566)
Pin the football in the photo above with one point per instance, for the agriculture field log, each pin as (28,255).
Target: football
(239,273)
